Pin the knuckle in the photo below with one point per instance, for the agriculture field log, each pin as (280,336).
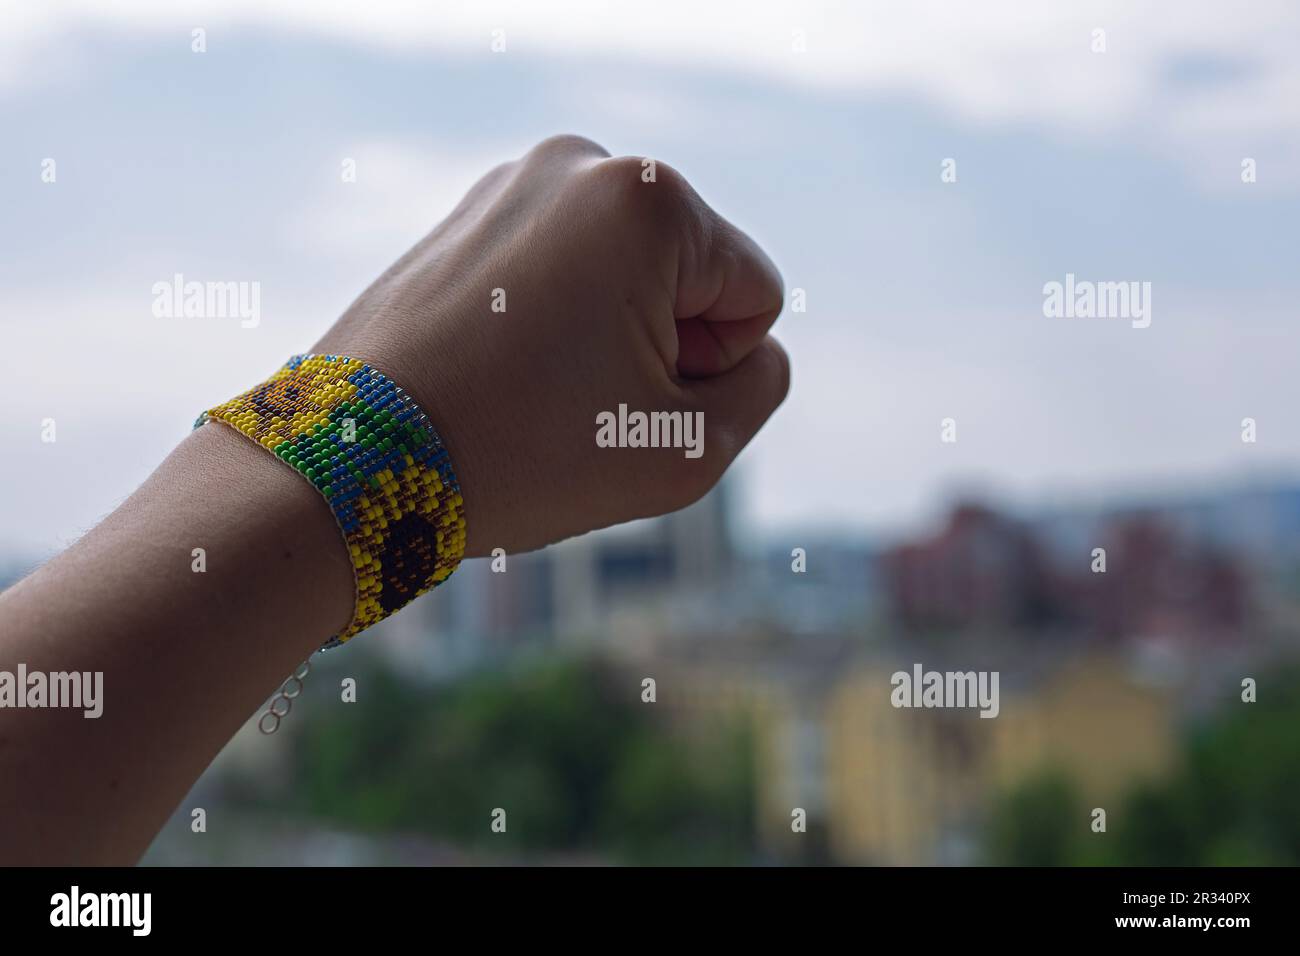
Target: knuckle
(500,170)
(567,145)
(494,177)
(651,189)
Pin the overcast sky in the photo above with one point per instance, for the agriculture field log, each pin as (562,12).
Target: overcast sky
(924,298)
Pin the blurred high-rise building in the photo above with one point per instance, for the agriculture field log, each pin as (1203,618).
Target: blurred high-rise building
(573,593)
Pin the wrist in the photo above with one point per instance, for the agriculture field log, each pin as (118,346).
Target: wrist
(374,457)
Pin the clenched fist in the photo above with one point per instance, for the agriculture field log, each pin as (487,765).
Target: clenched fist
(568,294)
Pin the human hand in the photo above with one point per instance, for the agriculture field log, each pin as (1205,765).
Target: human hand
(616,291)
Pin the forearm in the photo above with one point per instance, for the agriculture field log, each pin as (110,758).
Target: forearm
(186,657)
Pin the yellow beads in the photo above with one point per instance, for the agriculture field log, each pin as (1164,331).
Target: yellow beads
(374,455)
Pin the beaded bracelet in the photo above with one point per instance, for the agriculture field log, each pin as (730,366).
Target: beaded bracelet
(372,452)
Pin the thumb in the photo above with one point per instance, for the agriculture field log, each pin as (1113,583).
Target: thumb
(738,402)
(728,295)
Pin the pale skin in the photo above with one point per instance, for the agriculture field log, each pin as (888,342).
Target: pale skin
(617,290)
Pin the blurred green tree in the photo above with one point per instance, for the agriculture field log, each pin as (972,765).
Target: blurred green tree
(566,748)
(1232,802)
(1039,823)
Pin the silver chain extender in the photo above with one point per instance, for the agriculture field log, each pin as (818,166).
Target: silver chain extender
(282,702)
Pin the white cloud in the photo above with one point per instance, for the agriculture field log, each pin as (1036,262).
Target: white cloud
(1004,61)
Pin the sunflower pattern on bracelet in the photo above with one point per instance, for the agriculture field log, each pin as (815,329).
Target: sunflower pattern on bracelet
(380,464)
